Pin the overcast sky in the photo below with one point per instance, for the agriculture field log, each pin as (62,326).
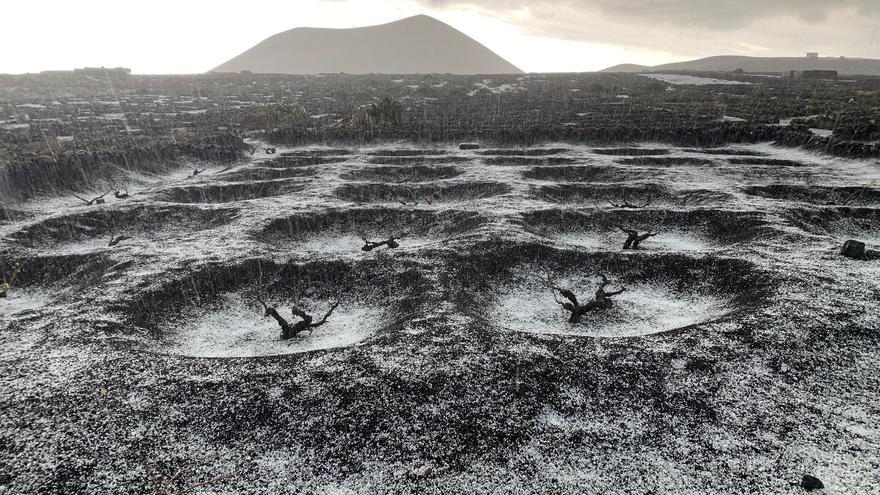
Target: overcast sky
(174,36)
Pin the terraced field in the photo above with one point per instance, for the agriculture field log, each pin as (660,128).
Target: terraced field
(743,354)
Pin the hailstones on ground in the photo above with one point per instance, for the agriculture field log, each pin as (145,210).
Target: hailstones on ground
(343,231)
(83,246)
(21,300)
(664,241)
(683,80)
(235,327)
(421,194)
(353,244)
(643,309)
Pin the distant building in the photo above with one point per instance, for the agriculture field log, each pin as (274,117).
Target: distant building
(813,74)
(104,71)
(813,55)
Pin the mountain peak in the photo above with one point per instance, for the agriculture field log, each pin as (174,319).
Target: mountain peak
(418,44)
(420,17)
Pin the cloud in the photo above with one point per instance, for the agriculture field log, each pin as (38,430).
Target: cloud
(714,14)
(695,27)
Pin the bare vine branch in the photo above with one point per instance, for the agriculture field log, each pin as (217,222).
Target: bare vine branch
(306,321)
(601,301)
(98,200)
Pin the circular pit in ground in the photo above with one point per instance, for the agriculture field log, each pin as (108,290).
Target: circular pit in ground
(664,292)
(677,230)
(216,312)
(340,231)
(234,325)
(644,309)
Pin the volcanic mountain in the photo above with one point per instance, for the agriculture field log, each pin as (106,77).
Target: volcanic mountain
(725,63)
(415,45)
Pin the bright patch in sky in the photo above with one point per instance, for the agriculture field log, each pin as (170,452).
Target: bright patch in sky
(166,36)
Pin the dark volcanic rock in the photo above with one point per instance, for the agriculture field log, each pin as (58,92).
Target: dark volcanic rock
(853,249)
(811,483)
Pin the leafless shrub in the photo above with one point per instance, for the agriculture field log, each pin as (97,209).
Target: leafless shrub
(391,242)
(601,301)
(307,322)
(98,200)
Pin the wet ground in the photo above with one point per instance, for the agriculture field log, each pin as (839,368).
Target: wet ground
(743,354)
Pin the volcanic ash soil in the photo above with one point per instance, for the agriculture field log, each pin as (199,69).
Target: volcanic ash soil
(742,355)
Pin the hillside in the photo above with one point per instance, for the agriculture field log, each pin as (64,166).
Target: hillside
(852,66)
(416,45)
(627,68)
